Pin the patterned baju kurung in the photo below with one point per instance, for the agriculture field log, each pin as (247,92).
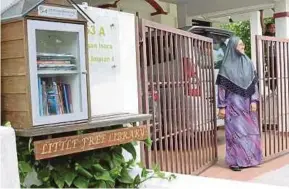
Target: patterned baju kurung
(243,141)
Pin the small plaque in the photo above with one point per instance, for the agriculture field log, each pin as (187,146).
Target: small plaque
(50,148)
(57,12)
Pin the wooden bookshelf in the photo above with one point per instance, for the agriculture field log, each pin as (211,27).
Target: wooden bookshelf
(21,69)
(44,55)
(95,123)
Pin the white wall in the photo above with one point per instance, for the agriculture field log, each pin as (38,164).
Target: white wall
(113,85)
(9,174)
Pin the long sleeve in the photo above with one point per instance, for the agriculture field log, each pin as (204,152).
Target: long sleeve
(221,97)
(255,96)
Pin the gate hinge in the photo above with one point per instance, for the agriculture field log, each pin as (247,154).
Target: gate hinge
(140,40)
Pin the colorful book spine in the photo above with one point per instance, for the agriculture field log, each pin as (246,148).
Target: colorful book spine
(60,94)
(51,101)
(40,97)
(70,99)
(65,98)
(57,105)
(44,98)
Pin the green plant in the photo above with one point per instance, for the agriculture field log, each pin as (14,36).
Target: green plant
(103,168)
(242,29)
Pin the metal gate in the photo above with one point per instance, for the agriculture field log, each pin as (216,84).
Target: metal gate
(176,85)
(273,70)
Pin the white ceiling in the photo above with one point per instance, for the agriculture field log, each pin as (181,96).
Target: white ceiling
(207,7)
(224,17)
(211,11)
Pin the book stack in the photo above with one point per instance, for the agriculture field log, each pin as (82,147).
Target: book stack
(51,61)
(54,97)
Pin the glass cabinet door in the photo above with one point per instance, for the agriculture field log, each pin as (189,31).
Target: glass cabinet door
(57,64)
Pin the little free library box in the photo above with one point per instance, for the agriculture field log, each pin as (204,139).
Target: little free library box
(46,80)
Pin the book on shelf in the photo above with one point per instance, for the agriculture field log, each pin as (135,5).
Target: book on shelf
(50,61)
(55,56)
(57,67)
(54,97)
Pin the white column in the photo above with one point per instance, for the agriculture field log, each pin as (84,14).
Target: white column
(282,24)
(256,29)
(182,14)
(282,31)
(9,174)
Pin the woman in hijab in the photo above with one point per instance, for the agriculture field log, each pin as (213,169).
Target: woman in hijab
(237,102)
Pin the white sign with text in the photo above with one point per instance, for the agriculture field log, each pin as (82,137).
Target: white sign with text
(112,62)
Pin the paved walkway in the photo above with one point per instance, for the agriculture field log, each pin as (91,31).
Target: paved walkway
(275,172)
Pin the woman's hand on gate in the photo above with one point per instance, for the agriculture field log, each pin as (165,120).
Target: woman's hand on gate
(222,113)
(253,107)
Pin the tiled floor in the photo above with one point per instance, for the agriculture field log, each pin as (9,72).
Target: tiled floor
(221,171)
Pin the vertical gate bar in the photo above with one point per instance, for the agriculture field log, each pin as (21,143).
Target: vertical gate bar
(164,107)
(274,85)
(180,121)
(286,92)
(160,125)
(185,101)
(205,104)
(182,55)
(202,102)
(204,116)
(260,113)
(191,108)
(170,158)
(270,81)
(199,113)
(199,108)
(285,96)
(173,52)
(188,101)
(208,104)
(210,83)
(138,46)
(194,109)
(265,107)
(208,101)
(280,54)
(139,81)
(279,88)
(277,70)
(215,130)
(152,91)
(145,83)
(280,74)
